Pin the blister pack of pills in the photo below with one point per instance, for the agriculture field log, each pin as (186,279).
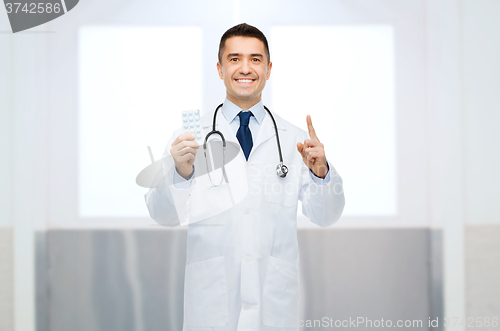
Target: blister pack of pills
(191,123)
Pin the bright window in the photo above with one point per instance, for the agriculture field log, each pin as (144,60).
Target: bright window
(344,77)
(132,92)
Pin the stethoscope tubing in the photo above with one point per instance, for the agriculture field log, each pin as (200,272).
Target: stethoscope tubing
(281,169)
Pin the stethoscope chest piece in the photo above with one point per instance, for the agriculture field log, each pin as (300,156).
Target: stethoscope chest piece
(281,170)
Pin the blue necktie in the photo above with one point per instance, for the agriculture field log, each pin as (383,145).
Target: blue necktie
(244,135)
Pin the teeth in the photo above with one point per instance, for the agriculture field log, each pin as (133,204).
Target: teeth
(244,80)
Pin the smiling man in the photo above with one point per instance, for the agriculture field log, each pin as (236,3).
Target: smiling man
(242,264)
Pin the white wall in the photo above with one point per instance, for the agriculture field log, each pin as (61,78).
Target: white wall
(480,69)
(5,122)
(445,147)
(481,104)
(6,183)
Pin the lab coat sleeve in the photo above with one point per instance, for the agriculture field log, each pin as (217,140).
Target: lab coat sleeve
(169,203)
(322,203)
(318,180)
(180,182)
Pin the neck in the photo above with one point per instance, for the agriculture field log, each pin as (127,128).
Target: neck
(244,104)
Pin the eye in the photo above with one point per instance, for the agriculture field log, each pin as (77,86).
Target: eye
(234,59)
(255,59)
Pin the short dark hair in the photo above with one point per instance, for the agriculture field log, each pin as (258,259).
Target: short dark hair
(243,30)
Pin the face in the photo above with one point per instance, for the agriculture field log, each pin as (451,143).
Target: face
(244,70)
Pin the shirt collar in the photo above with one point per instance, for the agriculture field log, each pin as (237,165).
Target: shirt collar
(231,111)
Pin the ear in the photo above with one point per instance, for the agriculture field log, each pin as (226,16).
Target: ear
(219,69)
(269,70)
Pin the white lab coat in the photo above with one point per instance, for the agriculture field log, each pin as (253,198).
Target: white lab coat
(242,260)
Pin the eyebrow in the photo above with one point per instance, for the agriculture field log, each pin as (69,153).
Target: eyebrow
(239,54)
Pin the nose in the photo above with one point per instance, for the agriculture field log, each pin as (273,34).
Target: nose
(245,67)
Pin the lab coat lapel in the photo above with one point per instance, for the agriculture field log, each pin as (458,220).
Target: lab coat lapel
(266,131)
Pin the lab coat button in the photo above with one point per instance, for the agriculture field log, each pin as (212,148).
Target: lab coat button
(246,306)
(248,259)
(247,211)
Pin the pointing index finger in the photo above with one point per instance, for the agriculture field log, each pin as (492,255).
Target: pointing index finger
(310,127)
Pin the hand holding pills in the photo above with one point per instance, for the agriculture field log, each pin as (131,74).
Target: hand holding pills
(185,145)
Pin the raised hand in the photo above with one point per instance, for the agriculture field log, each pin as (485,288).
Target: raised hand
(313,152)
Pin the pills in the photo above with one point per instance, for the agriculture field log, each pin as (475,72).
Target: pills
(191,122)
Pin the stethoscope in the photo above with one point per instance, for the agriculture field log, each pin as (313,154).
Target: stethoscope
(281,169)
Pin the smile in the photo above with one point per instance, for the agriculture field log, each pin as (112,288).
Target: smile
(244,80)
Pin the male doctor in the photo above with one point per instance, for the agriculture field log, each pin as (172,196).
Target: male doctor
(242,260)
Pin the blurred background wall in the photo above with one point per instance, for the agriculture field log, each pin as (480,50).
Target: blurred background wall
(425,246)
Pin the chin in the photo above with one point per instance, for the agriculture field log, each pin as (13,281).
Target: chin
(246,97)
(243,95)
